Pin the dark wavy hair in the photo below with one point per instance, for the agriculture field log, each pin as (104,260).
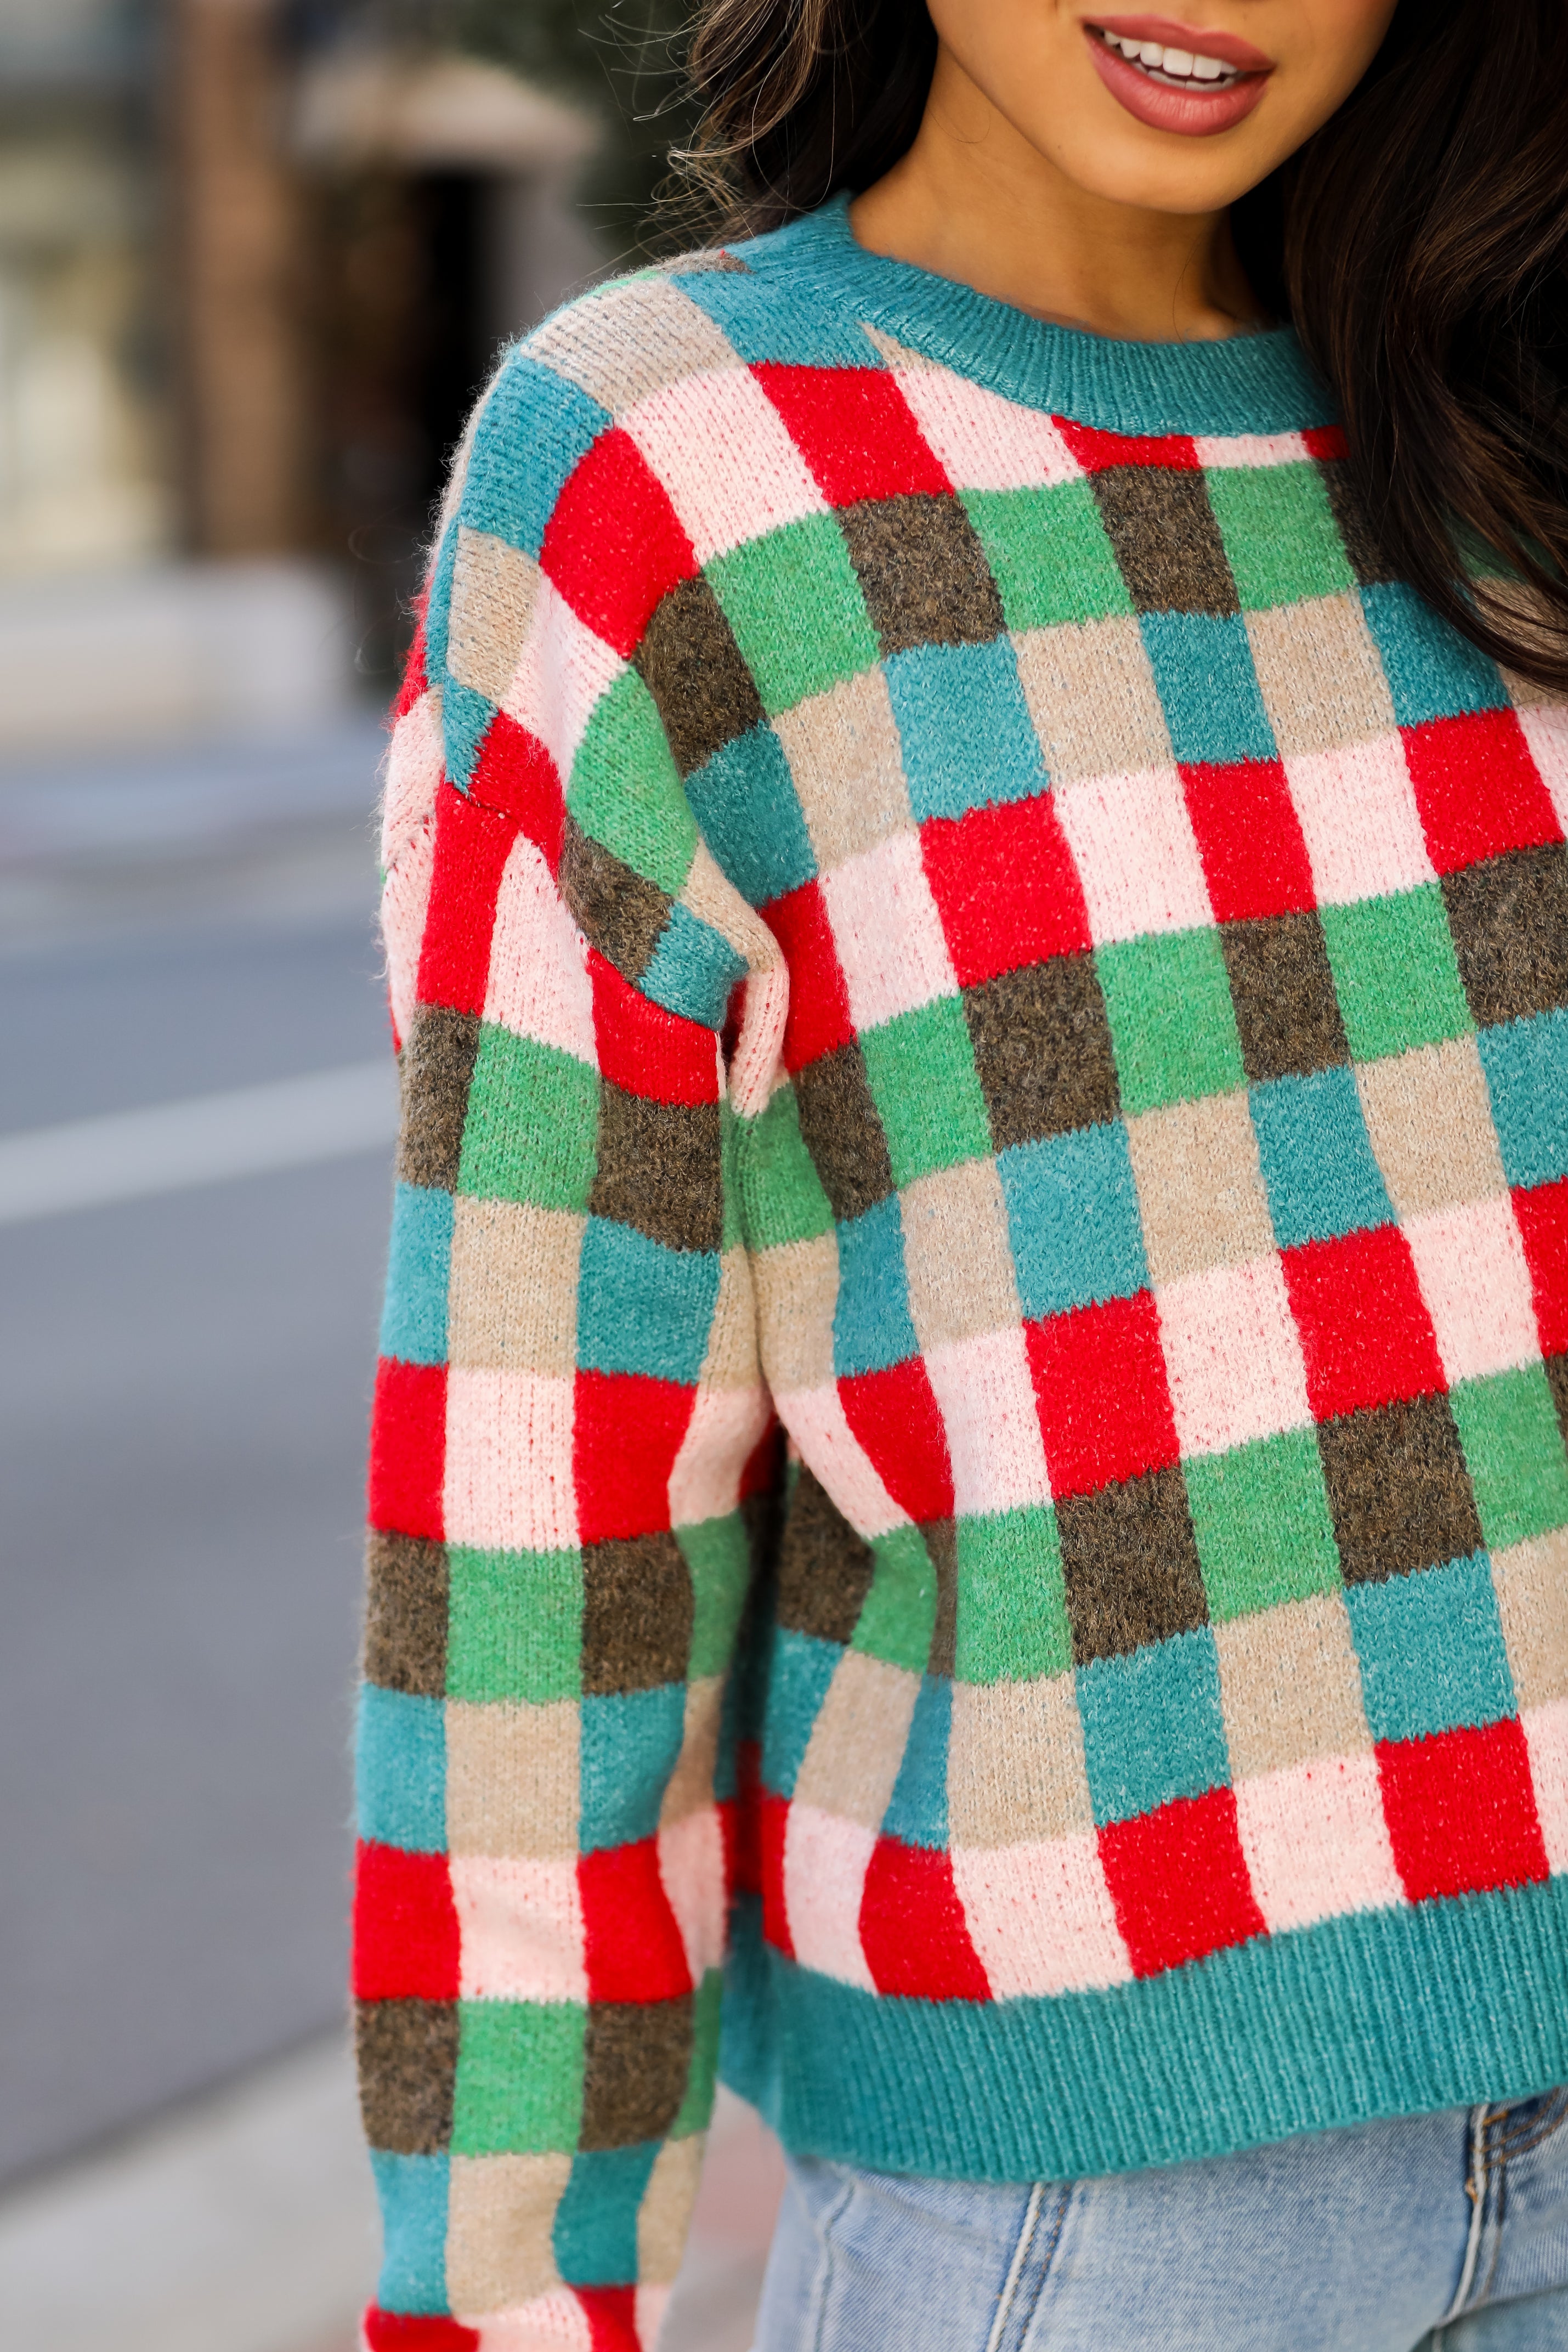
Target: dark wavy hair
(1419,243)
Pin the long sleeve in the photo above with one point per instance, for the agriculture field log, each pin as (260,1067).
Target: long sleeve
(572,1439)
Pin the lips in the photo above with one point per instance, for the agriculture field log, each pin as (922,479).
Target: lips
(1188,79)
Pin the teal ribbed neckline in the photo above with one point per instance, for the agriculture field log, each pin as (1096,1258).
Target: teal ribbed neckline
(1249,384)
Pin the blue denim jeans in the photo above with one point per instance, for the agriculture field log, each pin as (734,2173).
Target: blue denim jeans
(1449,2232)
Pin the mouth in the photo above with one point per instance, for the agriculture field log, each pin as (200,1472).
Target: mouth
(1184,77)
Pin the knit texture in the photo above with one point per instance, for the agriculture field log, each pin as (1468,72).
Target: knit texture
(983,1006)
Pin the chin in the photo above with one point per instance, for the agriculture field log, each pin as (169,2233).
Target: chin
(1123,170)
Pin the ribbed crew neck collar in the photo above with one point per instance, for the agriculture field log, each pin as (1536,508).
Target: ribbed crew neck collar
(1248,384)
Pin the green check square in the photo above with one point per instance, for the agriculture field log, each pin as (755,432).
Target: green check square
(702,2081)
(625,789)
(921,1068)
(718,1556)
(731,1138)
(795,605)
(1279,533)
(1012,1602)
(1051,555)
(1514,1451)
(515,1625)
(532,1127)
(1260,1514)
(1173,1027)
(898,1614)
(781,1195)
(519,2077)
(1394,972)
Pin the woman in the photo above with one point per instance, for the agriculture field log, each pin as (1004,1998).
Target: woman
(969,1441)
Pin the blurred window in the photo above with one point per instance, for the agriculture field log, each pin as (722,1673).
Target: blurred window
(83,459)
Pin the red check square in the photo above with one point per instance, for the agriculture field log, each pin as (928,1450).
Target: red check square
(855,430)
(626,1432)
(611,2316)
(913,1930)
(1460,1809)
(414,680)
(1249,839)
(406,1941)
(1366,1336)
(1006,888)
(1179,1880)
(1325,441)
(1102,1393)
(472,847)
(402,2331)
(1095,449)
(645,1050)
(632,1942)
(764,1471)
(614,545)
(895,1416)
(772,1828)
(408,1449)
(740,1818)
(1479,790)
(515,773)
(819,1021)
(1543,1216)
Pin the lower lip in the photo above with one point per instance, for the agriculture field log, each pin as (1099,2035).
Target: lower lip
(1190,113)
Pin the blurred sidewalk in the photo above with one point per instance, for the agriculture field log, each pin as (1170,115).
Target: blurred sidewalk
(245,2223)
(156,653)
(266,821)
(187,937)
(255,260)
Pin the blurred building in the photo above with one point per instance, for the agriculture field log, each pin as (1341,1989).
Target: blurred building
(255,259)
(438,192)
(84,477)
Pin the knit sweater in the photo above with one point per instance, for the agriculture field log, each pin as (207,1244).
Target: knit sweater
(968,1480)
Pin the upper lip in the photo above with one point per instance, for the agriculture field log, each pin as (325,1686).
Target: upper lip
(1203,40)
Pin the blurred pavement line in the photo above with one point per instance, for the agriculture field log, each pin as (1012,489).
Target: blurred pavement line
(243,1131)
(247,2223)
(243,2225)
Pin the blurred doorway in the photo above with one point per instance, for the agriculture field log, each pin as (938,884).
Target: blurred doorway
(439,194)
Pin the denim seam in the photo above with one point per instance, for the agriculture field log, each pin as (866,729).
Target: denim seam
(1498,2147)
(1540,2128)
(1007,2297)
(1476,2175)
(1497,2201)
(1040,2270)
(831,2220)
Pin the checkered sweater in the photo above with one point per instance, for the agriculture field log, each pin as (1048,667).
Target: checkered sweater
(968,1439)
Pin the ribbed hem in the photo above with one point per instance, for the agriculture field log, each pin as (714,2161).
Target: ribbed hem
(1387,2013)
(1246,383)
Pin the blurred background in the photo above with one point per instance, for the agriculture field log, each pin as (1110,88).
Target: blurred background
(256,256)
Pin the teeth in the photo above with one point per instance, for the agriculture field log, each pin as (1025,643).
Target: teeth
(1180,65)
